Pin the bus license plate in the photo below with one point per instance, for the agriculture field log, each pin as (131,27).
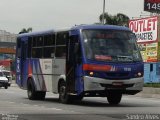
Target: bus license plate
(117,83)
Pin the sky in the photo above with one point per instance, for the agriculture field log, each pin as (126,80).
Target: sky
(57,14)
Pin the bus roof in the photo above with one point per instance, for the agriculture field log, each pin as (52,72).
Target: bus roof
(36,33)
(94,26)
(78,27)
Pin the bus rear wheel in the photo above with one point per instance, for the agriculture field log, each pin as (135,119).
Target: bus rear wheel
(114,97)
(63,96)
(6,87)
(41,95)
(31,90)
(33,94)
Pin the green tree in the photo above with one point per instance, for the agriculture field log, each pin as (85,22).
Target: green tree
(24,30)
(119,19)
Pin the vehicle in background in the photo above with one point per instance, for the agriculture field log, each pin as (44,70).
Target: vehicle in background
(5,78)
(8,75)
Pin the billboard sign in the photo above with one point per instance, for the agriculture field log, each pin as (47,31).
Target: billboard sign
(7,50)
(149,52)
(152,6)
(145,29)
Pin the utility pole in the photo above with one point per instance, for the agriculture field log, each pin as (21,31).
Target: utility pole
(103,12)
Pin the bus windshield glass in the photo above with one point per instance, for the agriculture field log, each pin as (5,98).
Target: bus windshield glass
(110,45)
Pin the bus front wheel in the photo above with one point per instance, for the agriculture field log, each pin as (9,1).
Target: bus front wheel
(63,96)
(79,97)
(114,97)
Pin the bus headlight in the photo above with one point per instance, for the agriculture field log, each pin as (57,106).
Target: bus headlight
(139,74)
(91,73)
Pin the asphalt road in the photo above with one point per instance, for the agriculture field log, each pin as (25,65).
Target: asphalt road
(14,105)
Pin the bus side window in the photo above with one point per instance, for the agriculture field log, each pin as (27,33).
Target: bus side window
(37,52)
(49,40)
(39,41)
(33,53)
(48,52)
(34,42)
(33,47)
(37,47)
(18,47)
(62,37)
(49,46)
(61,51)
(29,47)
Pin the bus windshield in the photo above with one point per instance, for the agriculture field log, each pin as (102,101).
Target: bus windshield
(110,45)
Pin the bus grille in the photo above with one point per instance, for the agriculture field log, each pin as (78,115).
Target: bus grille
(117,75)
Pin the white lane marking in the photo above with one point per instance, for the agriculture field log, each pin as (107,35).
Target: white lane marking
(36,105)
(44,107)
(11,102)
(8,91)
(25,104)
(55,109)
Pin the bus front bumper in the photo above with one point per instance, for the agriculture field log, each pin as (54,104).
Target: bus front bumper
(128,86)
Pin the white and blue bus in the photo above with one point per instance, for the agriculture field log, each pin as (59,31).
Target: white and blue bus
(84,61)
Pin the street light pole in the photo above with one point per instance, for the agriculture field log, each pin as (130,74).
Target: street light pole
(103,11)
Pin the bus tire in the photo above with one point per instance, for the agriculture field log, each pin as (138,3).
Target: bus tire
(79,97)
(32,94)
(41,95)
(114,97)
(63,96)
(6,87)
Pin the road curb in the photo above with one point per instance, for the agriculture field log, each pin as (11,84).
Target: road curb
(149,92)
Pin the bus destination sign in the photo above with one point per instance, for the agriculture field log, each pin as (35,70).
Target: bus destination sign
(152,6)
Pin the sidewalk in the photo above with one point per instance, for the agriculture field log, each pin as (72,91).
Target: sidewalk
(149,92)
(13,84)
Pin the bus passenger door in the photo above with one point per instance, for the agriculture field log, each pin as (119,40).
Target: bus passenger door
(71,64)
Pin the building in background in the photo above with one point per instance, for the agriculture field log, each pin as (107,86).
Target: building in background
(7,49)
(147,31)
